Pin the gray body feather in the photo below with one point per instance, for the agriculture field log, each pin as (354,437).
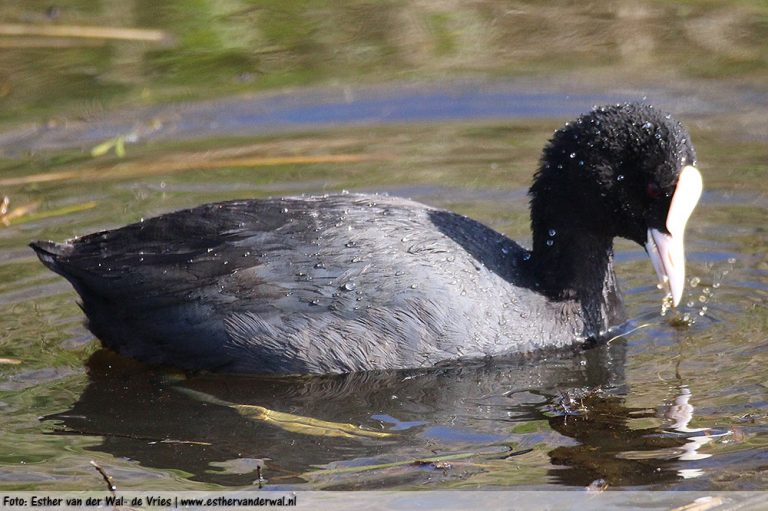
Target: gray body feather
(327,284)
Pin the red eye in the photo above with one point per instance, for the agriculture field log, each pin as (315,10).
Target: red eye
(653,191)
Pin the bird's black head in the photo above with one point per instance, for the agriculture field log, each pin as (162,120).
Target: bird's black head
(613,172)
(616,167)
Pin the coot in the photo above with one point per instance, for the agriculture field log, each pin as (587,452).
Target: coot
(351,282)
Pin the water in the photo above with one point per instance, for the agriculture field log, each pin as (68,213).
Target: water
(678,403)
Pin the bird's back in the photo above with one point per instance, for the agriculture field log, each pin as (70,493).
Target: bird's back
(312,284)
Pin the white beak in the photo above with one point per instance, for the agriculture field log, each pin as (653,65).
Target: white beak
(667,251)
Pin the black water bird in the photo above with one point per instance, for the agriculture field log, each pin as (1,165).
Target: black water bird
(350,282)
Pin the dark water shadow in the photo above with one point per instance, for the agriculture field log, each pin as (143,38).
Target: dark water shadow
(141,416)
(312,108)
(605,437)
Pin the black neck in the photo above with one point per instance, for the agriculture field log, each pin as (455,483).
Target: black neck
(571,265)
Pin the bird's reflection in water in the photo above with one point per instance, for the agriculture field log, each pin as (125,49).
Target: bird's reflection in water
(615,453)
(463,408)
(680,414)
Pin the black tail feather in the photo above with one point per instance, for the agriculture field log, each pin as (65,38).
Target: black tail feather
(50,254)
